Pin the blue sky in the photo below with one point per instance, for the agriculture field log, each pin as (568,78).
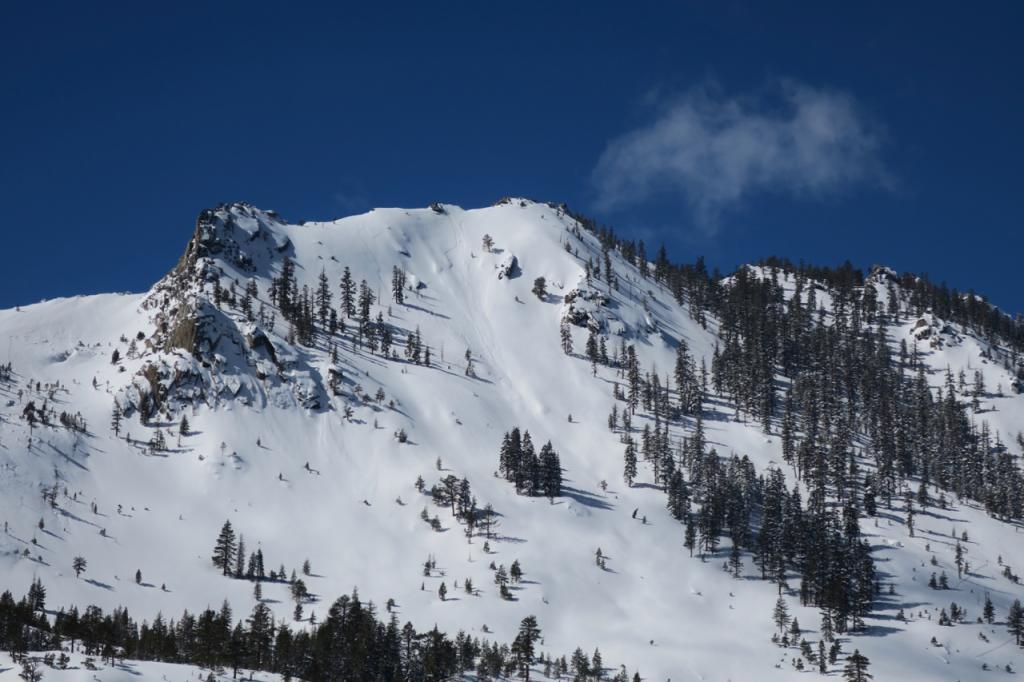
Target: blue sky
(874,132)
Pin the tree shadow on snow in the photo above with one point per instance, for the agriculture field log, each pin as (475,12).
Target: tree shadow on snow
(878,631)
(67,457)
(97,583)
(426,310)
(585,498)
(128,668)
(927,511)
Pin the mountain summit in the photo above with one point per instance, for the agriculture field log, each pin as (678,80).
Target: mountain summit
(475,417)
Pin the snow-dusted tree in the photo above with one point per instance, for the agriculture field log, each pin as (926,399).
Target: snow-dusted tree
(31,671)
(540,288)
(158,443)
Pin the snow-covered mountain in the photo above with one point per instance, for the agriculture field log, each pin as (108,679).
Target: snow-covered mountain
(309,438)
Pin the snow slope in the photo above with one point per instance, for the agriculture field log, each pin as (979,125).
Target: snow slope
(277,457)
(78,670)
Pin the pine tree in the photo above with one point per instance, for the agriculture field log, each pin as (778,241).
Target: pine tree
(78,565)
(781,614)
(240,557)
(115,419)
(37,595)
(690,535)
(580,664)
(826,625)
(540,288)
(609,274)
(398,284)
(224,549)
(261,633)
(523,646)
(629,470)
(501,576)
(366,299)
(592,349)
(551,472)
(856,669)
(323,298)
(515,572)
(348,295)
(1015,621)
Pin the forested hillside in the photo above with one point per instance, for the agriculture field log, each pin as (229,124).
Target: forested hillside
(442,443)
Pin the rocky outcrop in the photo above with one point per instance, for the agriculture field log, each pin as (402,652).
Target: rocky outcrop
(581,306)
(508,268)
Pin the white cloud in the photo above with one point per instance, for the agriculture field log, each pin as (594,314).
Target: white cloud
(716,150)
